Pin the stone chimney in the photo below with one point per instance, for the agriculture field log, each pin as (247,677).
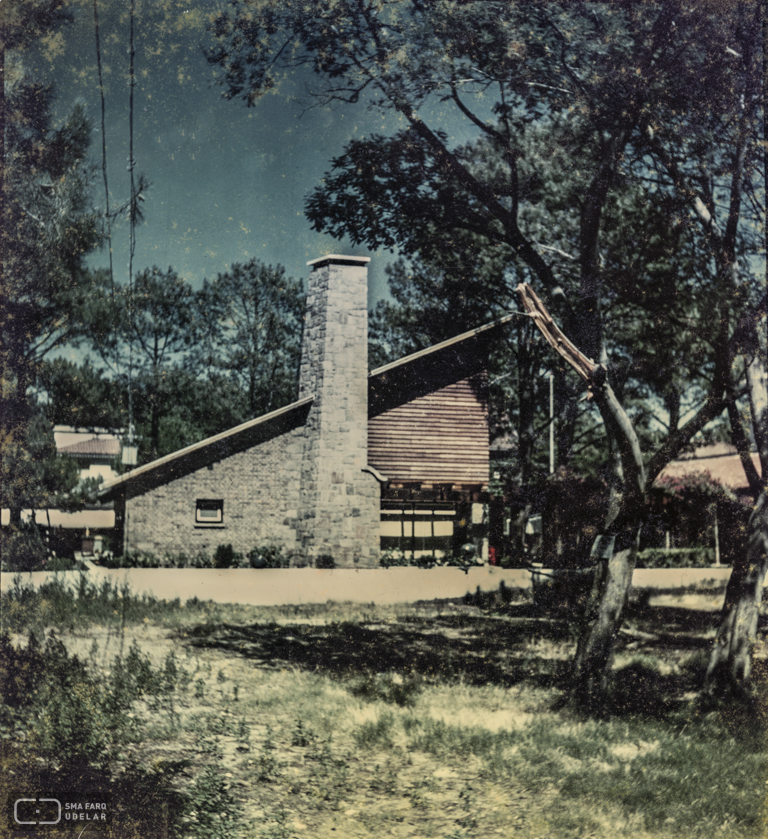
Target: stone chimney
(339,502)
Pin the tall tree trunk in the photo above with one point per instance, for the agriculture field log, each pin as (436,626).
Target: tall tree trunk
(604,615)
(730,664)
(615,552)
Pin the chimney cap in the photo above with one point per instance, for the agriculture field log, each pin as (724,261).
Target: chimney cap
(338,259)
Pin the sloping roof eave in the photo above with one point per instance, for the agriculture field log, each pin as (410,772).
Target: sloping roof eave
(226,440)
(457,339)
(110,488)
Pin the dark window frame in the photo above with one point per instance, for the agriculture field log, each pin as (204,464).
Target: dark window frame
(209,505)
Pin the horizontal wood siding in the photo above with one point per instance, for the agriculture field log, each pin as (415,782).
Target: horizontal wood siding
(440,438)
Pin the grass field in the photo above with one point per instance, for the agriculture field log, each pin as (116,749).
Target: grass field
(434,720)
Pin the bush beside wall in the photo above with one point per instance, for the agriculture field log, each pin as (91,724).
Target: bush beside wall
(676,558)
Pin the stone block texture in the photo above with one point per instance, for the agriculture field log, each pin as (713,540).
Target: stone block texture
(339,503)
(304,489)
(259,489)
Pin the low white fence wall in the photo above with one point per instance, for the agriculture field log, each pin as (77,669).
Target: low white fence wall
(293,586)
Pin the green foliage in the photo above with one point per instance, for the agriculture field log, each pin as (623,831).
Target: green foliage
(376,734)
(65,606)
(32,474)
(676,558)
(393,558)
(22,549)
(269,556)
(71,717)
(302,736)
(684,767)
(224,556)
(80,395)
(697,486)
(156,317)
(48,230)
(147,559)
(203,361)
(325,561)
(251,332)
(387,687)
(267,767)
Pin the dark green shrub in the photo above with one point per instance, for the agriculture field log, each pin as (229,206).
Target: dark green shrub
(143,559)
(393,558)
(52,696)
(23,549)
(512,562)
(224,557)
(212,811)
(64,605)
(676,558)
(387,687)
(62,563)
(268,556)
(325,561)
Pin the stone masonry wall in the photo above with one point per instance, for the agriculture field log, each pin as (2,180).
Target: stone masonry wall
(305,490)
(339,502)
(259,488)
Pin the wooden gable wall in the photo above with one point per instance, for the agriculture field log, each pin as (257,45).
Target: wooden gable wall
(438,438)
(428,417)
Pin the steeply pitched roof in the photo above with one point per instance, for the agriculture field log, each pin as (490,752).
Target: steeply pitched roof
(390,385)
(427,370)
(210,450)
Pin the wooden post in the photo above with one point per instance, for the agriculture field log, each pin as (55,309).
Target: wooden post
(717,538)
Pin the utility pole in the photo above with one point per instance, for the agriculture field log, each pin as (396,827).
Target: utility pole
(551,423)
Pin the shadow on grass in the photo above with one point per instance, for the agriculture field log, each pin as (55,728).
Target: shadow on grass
(676,627)
(516,644)
(469,647)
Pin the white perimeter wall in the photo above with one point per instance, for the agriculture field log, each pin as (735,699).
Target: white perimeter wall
(279,587)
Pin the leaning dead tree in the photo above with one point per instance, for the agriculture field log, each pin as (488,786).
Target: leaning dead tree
(617,550)
(729,670)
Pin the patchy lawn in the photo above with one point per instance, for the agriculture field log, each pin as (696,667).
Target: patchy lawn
(436,720)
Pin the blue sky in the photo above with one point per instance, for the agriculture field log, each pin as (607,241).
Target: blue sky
(228,182)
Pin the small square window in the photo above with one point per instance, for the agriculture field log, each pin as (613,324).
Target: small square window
(209,511)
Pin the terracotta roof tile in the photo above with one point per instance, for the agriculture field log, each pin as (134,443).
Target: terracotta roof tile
(109,447)
(726,469)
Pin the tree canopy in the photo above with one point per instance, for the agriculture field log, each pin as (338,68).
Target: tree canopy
(254,315)
(47,229)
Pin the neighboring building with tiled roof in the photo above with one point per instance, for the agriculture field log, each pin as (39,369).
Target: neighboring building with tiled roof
(95,449)
(720,462)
